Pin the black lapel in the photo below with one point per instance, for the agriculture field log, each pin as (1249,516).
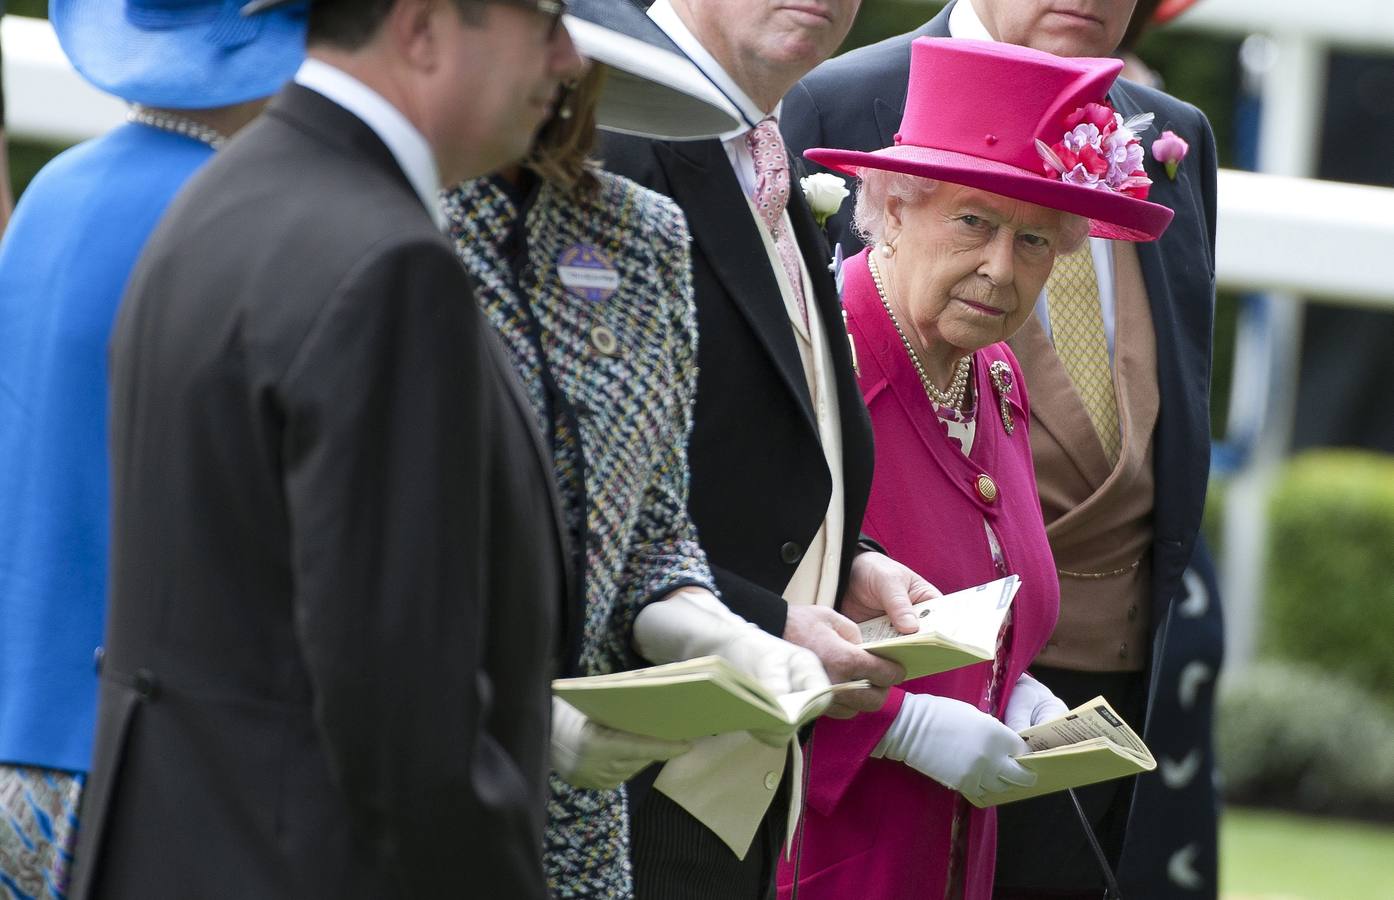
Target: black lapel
(704,185)
(856,423)
(1152,258)
(889,108)
(1176,274)
(939,25)
(813,244)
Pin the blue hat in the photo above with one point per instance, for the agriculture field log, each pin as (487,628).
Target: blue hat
(180,54)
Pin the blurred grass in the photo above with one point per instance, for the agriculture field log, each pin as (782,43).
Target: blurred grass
(26,158)
(1278,856)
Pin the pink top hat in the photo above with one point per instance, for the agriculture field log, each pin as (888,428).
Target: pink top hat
(1023,124)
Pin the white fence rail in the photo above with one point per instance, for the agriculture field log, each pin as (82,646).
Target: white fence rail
(1322,239)
(44,98)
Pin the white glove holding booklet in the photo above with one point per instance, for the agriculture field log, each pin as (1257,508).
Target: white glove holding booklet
(693,623)
(956,744)
(586,754)
(1032,703)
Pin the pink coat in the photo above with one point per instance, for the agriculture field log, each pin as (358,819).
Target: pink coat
(876,828)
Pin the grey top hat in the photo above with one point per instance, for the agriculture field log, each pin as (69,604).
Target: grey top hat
(654,89)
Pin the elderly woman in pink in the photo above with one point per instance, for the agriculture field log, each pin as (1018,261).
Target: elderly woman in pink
(1006,159)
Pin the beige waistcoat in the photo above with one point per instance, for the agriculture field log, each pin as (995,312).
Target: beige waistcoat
(1098,518)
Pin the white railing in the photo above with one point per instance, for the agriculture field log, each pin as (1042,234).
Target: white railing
(44,98)
(1325,240)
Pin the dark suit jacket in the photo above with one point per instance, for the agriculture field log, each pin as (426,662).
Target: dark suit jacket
(336,563)
(760,483)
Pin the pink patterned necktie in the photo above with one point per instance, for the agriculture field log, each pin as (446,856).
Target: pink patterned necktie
(772,196)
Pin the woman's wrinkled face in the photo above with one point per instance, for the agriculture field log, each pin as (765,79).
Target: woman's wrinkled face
(968,264)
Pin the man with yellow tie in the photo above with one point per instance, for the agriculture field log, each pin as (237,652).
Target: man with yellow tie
(1118,360)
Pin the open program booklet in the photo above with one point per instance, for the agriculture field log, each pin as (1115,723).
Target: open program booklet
(1087,744)
(957,629)
(691,699)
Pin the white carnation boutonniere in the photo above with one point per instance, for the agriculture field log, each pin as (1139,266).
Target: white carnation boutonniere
(824,193)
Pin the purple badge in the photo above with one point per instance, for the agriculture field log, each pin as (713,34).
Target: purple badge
(587,272)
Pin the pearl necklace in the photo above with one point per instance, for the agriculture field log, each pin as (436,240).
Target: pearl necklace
(958,388)
(176,124)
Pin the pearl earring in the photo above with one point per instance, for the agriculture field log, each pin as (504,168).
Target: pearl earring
(568,94)
(887,249)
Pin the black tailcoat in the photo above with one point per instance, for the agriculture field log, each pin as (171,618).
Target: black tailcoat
(760,484)
(336,559)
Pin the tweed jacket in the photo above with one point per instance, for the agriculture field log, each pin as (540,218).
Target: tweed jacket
(611,376)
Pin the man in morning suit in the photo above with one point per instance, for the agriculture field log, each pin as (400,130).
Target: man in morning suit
(336,559)
(781,446)
(1121,470)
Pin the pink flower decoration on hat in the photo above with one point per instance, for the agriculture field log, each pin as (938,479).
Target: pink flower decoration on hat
(1169,149)
(1100,150)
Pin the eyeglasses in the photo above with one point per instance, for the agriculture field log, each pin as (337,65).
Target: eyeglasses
(553,10)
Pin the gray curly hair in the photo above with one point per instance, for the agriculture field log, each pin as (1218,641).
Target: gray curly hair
(876,186)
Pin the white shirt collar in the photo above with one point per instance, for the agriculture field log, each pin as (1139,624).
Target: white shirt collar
(406,144)
(964,22)
(666,17)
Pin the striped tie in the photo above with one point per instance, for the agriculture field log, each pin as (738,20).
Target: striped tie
(1077,326)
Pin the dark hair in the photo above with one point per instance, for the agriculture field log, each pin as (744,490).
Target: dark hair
(349,24)
(561,152)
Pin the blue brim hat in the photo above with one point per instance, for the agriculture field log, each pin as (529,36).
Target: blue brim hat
(180,54)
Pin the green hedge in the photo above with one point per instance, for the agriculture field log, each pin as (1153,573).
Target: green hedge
(1296,737)
(1330,570)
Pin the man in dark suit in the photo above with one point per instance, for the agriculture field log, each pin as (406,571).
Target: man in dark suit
(336,563)
(1115,613)
(781,445)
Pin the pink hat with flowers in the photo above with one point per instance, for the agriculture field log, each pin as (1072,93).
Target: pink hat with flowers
(1024,124)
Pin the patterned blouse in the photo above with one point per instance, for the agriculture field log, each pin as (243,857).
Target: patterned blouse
(591,292)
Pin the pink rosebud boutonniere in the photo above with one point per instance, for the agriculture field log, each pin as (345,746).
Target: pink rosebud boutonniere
(1169,149)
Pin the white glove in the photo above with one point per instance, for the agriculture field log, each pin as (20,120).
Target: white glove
(1032,703)
(958,746)
(692,622)
(588,755)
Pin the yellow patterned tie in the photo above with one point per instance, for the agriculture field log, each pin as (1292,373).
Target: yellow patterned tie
(1077,327)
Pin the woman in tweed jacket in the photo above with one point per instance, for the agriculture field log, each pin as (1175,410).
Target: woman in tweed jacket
(586,277)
